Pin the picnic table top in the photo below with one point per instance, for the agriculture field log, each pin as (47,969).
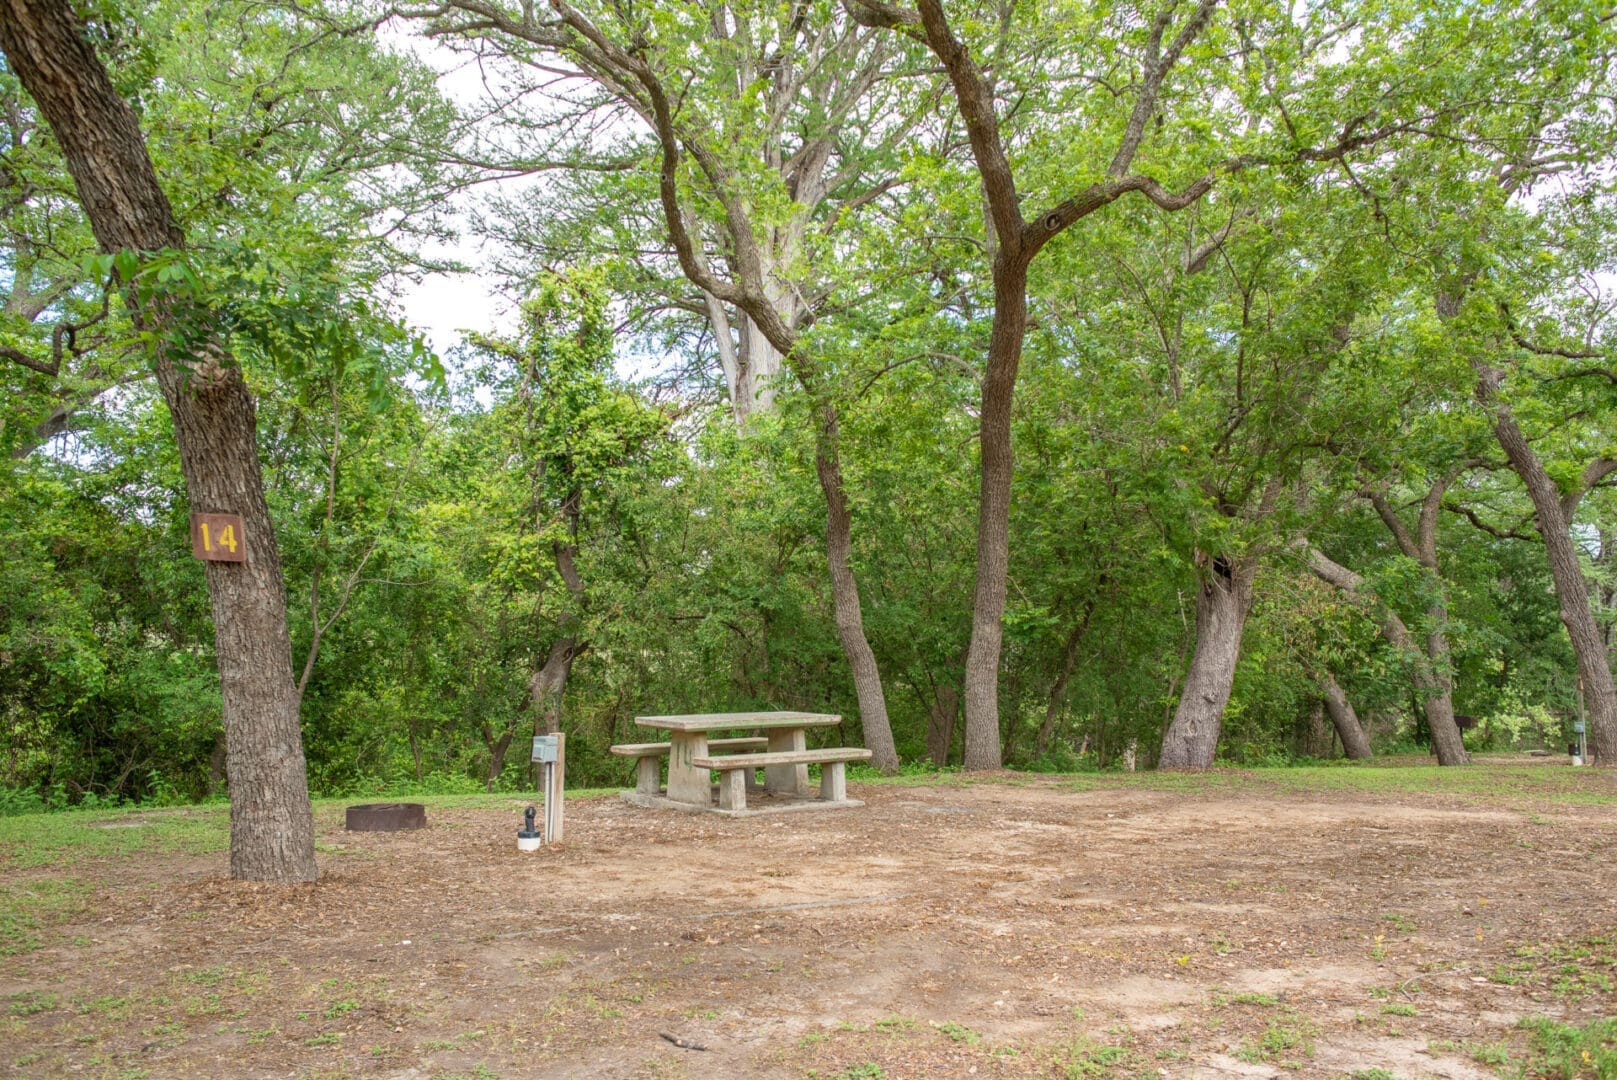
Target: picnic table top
(724,721)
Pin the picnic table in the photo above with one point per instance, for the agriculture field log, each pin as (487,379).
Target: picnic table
(785,757)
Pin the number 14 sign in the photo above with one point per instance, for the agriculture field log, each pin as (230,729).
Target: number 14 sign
(218,537)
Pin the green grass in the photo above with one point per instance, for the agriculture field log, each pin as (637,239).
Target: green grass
(1479,783)
(26,909)
(32,840)
(1568,1052)
(67,836)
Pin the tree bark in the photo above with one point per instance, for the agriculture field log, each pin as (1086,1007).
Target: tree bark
(1566,570)
(1355,743)
(993,513)
(1222,605)
(215,427)
(845,600)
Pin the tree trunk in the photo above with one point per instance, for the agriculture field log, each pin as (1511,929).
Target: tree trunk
(845,599)
(215,427)
(549,683)
(993,512)
(940,723)
(1438,700)
(1594,670)
(1316,741)
(1222,604)
(1355,743)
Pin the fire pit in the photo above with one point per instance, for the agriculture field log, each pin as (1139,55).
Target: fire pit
(387,817)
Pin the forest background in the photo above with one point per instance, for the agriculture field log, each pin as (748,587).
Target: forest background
(1067,386)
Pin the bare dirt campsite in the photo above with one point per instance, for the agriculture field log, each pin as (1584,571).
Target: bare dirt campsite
(1390,921)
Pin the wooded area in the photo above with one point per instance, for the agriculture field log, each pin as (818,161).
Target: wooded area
(1052,385)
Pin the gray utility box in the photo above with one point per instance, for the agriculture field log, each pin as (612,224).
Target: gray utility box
(544,748)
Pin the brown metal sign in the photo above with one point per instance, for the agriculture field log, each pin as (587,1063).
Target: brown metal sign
(219,537)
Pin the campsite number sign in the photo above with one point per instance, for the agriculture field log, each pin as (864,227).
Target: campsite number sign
(218,537)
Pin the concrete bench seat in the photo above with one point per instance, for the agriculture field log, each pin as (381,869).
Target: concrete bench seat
(648,758)
(734,768)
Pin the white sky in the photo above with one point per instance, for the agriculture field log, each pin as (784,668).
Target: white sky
(444,306)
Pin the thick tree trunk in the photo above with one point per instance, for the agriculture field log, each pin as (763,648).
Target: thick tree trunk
(1355,743)
(845,600)
(993,512)
(1317,740)
(1222,604)
(215,426)
(1566,570)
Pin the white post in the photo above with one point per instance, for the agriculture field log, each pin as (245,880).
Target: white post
(556,782)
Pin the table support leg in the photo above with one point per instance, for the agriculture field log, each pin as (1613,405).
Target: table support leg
(833,782)
(687,783)
(786,779)
(648,775)
(732,790)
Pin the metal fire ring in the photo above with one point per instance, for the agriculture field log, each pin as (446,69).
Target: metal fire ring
(387,817)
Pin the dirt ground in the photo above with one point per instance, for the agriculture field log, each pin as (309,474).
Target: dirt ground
(1017,927)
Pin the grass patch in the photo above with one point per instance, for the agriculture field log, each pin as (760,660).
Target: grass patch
(960,1033)
(1085,1058)
(1491,783)
(31,840)
(1569,1052)
(1285,1037)
(28,908)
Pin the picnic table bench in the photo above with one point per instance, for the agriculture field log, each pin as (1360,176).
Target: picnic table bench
(784,760)
(648,758)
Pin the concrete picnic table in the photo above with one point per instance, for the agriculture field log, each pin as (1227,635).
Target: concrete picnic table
(687,737)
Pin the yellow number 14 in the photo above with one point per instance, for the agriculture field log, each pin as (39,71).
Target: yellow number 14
(227,539)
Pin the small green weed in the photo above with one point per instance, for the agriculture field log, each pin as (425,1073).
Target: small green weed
(960,1033)
(896,1025)
(868,1071)
(1284,1035)
(30,1003)
(1398,1010)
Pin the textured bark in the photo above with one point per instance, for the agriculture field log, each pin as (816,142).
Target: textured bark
(1355,743)
(845,601)
(1566,570)
(1222,604)
(1317,740)
(993,513)
(215,426)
